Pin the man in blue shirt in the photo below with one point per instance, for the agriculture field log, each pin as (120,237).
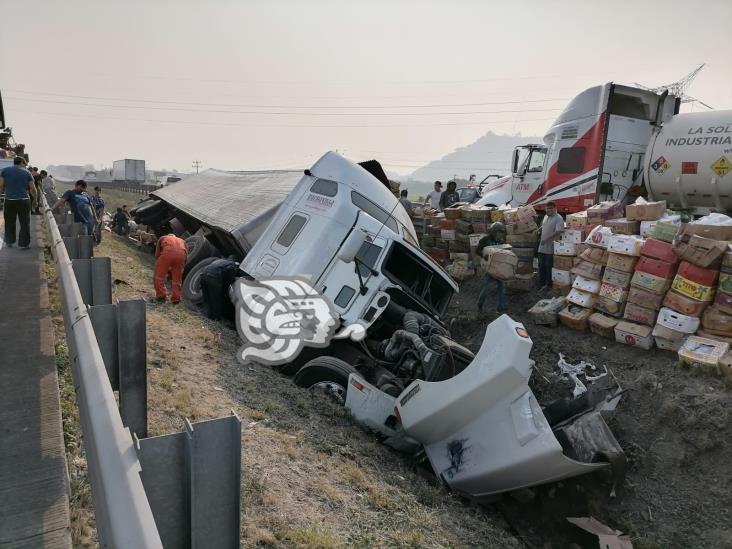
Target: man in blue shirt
(80,204)
(19,187)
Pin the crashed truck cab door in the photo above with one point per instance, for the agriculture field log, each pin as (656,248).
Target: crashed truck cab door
(483,429)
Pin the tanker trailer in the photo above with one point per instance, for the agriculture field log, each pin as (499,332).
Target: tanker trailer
(689,162)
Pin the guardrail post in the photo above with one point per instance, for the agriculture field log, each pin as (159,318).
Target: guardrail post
(193,483)
(132,344)
(86,246)
(72,247)
(94,279)
(104,320)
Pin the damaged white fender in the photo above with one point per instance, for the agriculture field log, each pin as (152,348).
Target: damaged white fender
(484,431)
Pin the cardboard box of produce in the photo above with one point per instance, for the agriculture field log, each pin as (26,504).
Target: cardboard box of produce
(603,325)
(650,283)
(656,267)
(723,301)
(646,228)
(613,292)
(561,278)
(617,278)
(665,231)
(635,335)
(583,299)
(658,249)
(499,263)
(588,270)
(713,232)
(641,315)
(725,365)
(668,334)
(586,285)
(525,240)
(545,311)
(525,267)
(702,352)
(677,321)
(645,299)
(455,211)
(625,244)
(521,214)
(580,248)
(522,282)
(575,317)
(480,227)
(463,226)
(524,254)
(459,246)
(645,211)
(668,345)
(477,213)
(447,223)
(683,304)
(564,248)
(599,237)
(725,282)
(572,235)
(701,251)
(727,259)
(474,239)
(623,226)
(460,256)
(595,255)
(497,215)
(447,234)
(692,289)
(599,213)
(716,322)
(563,262)
(577,220)
(620,262)
(610,307)
(700,275)
(521,227)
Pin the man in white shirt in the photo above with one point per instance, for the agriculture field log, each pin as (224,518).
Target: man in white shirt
(433,197)
(552,228)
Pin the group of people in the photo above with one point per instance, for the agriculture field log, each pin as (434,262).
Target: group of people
(552,227)
(438,199)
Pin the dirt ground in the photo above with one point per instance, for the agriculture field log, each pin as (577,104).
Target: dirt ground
(311,478)
(674,424)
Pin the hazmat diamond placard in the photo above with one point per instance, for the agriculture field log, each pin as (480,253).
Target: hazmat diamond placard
(722,166)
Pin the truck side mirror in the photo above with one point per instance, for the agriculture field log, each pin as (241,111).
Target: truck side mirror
(352,245)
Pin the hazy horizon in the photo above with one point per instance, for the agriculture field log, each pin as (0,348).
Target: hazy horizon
(266,85)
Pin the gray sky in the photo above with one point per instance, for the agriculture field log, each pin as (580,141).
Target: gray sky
(194,63)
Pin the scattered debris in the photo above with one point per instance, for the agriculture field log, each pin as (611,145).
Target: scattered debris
(608,538)
(575,370)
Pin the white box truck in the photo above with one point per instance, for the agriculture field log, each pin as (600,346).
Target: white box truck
(128,169)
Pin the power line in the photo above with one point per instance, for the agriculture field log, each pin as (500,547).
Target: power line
(281,113)
(256,106)
(259,125)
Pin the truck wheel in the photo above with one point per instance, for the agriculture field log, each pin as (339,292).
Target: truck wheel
(192,290)
(198,249)
(327,374)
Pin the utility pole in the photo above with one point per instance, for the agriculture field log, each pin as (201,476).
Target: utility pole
(197,164)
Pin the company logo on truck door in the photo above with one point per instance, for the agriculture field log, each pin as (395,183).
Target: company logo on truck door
(277,318)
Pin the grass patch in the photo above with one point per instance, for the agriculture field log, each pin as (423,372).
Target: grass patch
(312,538)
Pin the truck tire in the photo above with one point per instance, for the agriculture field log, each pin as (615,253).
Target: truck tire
(198,249)
(328,374)
(192,291)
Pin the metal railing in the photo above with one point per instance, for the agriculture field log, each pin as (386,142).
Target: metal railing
(123,514)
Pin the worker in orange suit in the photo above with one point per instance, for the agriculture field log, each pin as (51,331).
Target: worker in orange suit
(170,257)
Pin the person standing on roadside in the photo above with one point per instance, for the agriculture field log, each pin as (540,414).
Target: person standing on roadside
(170,257)
(433,197)
(120,223)
(404,199)
(80,204)
(20,197)
(495,237)
(37,178)
(450,196)
(98,205)
(552,228)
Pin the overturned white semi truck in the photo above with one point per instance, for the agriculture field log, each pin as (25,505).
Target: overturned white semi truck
(484,432)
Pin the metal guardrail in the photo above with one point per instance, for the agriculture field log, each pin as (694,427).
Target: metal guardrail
(123,514)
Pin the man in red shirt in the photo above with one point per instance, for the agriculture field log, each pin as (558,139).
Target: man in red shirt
(170,257)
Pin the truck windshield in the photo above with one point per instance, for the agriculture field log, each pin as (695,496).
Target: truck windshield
(416,278)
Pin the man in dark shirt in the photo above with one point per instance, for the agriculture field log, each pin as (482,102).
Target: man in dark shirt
(19,187)
(450,196)
(496,236)
(80,205)
(98,204)
(120,223)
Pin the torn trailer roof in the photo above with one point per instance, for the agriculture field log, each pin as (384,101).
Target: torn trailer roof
(230,202)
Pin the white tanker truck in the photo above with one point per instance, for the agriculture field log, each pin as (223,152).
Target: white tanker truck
(610,141)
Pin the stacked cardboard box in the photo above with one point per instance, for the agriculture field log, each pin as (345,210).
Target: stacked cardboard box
(523,237)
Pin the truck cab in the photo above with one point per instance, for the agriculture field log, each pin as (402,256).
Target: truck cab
(593,151)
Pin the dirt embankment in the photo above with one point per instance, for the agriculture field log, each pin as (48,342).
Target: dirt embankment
(674,423)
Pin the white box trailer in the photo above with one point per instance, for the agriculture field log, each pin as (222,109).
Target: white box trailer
(128,169)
